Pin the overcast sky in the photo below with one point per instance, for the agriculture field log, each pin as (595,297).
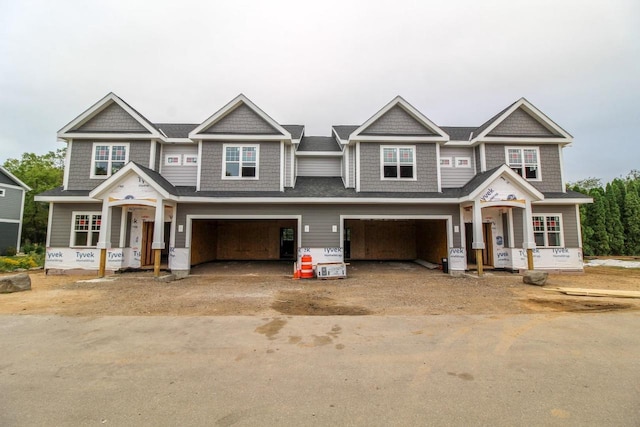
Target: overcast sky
(327,63)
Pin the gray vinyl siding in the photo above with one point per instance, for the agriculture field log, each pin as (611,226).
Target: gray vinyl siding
(319,166)
(11,203)
(397,121)
(569,221)
(158,160)
(476,159)
(8,236)
(61,222)
(179,175)
(352,166)
(112,119)
(453,177)
(268,169)
(242,120)
(371,168)
(287,166)
(80,162)
(4,179)
(520,123)
(319,218)
(549,164)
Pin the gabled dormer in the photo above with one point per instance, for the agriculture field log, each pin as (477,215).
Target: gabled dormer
(242,149)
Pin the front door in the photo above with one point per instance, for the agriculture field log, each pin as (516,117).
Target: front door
(487,237)
(146,257)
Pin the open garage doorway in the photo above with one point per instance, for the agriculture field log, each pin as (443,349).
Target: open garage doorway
(243,240)
(395,239)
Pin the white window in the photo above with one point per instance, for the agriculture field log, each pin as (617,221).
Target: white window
(108,158)
(85,229)
(463,162)
(1,192)
(173,160)
(190,160)
(547,230)
(524,161)
(398,163)
(240,162)
(446,162)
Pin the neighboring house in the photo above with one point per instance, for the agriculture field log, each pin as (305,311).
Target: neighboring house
(241,186)
(12,192)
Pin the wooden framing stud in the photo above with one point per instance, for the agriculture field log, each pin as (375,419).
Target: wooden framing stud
(479,261)
(530,259)
(103,263)
(156,262)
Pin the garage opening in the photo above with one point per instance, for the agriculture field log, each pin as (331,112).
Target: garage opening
(395,239)
(243,240)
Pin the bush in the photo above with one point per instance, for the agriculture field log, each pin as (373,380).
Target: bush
(40,249)
(10,264)
(11,251)
(27,248)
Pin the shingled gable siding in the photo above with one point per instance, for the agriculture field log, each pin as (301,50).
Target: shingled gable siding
(520,123)
(11,203)
(268,169)
(397,121)
(352,166)
(476,153)
(61,221)
(549,164)
(113,119)
(287,165)
(453,177)
(242,120)
(370,169)
(319,218)
(80,162)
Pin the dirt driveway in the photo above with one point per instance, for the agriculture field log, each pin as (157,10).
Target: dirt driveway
(266,289)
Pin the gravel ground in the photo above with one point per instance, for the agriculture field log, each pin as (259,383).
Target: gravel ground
(266,289)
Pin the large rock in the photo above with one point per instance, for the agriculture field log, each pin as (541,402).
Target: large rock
(15,283)
(535,277)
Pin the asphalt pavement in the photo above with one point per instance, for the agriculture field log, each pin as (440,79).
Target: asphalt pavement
(546,369)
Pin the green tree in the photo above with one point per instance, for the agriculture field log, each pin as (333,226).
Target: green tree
(631,220)
(615,228)
(41,173)
(597,218)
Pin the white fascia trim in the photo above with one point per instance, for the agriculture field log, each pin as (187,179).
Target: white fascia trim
(411,110)
(579,225)
(517,179)
(525,140)
(319,153)
(457,144)
(563,202)
(21,184)
(67,165)
(65,199)
(99,106)
(403,139)
(439,177)
(10,221)
(336,136)
(238,137)
(447,218)
(315,200)
(178,140)
(231,106)
(190,218)
(282,161)
(199,171)
(49,223)
(14,187)
(114,136)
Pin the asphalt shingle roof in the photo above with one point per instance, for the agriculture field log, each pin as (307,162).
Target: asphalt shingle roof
(344,131)
(176,130)
(318,143)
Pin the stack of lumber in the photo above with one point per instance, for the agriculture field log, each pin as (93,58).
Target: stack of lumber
(596,292)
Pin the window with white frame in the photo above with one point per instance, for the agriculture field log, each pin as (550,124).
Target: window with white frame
(1,192)
(240,161)
(398,163)
(190,160)
(446,162)
(463,162)
(108,159)
(547,230)
(85,229)
(172,160)
(525,161)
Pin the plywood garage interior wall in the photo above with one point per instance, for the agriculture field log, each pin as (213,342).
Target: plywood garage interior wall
(397,239)
(237,239)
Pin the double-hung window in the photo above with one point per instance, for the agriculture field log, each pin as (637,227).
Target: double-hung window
(86,229)
(398,163)
(547,230)
(524,161)
(240,161)
(108,159)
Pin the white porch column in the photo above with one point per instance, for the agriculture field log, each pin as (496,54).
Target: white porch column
(478,241)
(158,236)
(104,237)
(528,241)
